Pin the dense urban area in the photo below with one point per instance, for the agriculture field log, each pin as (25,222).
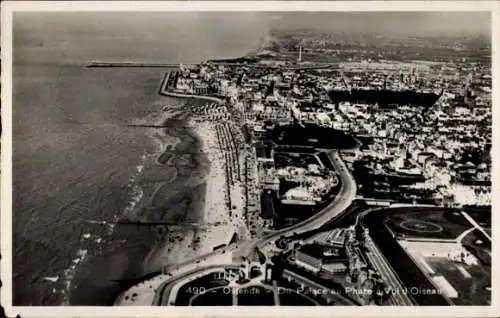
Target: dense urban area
(354,170)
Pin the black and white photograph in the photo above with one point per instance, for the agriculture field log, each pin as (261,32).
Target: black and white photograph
(219,155)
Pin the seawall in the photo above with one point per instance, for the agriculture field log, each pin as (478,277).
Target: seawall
(166,92)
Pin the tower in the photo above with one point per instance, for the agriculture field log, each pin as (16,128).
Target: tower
(299,59)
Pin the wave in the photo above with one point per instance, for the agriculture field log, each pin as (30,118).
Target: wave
(96,222)
(51,278)
(90,239)
(136,197)
(140,168)
(136,193)
(69,274)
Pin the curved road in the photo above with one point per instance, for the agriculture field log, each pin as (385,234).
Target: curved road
(163,292)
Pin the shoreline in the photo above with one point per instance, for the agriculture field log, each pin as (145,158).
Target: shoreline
(183,204)
(167,252)
(125,259)
(221,207)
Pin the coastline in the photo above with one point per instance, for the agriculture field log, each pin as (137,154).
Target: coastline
(128,247)
(71,198)
(177,199)
(210,203)
(162,190)
(215,202)
(185,245)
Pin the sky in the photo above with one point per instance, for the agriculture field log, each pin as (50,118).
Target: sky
(400,23)
(385,23)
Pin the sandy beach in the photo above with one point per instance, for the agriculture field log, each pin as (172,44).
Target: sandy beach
(175,244)
(217,221)
(217,227)
(204,155)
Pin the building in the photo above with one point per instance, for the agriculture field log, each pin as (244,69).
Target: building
(319,257)
(201,89)
(267,205)
(334,268)
(258,131)
(265,153)
(452,250)
(334,238)
(308,261)
(300,196)
(267,177)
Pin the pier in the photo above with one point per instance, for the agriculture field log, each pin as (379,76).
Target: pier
(117,64)
(97,64)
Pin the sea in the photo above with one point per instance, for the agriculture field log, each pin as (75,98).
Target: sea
(81,159)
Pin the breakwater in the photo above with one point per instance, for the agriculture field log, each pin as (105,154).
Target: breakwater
(96,64)
(110,64)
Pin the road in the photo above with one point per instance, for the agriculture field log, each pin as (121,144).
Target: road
(398,298)
(476,225)
(399,295)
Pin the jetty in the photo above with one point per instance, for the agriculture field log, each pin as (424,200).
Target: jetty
(96,64)
(110,64)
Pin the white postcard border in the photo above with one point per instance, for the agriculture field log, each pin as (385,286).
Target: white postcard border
(276,6)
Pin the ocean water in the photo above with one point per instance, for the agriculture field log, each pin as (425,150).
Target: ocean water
(77,162)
